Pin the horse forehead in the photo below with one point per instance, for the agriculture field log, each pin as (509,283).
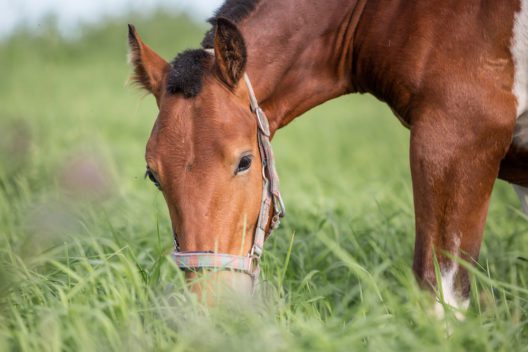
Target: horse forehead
(208,122)
(184,132)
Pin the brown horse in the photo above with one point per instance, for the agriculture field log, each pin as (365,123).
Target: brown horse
(454,72)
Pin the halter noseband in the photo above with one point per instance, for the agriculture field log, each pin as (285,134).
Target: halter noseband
(271,197)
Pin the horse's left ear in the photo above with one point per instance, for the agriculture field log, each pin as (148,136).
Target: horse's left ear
(230,52)
(149,67)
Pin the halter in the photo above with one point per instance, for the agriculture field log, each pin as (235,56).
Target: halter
(271,197)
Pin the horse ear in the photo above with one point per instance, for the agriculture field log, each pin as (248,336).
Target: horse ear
(149,67)
(230,51)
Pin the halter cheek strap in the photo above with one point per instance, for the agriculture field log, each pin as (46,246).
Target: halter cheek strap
(271,197)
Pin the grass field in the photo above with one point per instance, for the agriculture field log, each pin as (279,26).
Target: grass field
(84,239)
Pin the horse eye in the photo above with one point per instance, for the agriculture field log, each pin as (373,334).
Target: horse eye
(243,164)
(152,178)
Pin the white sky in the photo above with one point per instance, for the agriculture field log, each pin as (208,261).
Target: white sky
(70,13)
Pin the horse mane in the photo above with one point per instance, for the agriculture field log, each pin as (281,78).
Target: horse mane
(188,68)
(233,10)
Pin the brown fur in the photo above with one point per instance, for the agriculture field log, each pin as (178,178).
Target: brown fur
(443,66)
(149,67)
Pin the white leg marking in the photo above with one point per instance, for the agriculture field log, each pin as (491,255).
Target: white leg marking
(450,297)
(448,278)
(519,52)
(522,192)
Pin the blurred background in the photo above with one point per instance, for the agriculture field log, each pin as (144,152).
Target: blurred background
(84,238)
(68,16)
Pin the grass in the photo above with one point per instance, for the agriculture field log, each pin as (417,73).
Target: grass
(84,239)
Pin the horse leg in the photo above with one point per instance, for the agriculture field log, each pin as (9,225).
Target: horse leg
(454,164)
(522,192)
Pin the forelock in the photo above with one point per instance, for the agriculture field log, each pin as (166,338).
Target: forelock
(186,72)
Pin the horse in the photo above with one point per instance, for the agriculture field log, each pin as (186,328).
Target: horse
(455,73)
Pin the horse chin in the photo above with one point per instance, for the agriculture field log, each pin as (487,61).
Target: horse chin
(214,287)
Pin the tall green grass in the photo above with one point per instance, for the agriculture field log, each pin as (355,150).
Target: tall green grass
(84,262)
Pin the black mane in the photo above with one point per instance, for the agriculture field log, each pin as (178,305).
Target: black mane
(187,69)
(233,10)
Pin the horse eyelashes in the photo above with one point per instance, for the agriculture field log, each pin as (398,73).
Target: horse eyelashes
(152,178)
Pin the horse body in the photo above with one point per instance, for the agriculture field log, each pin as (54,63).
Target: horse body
(454,72)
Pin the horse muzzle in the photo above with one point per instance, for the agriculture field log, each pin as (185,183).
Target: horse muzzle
(216,286)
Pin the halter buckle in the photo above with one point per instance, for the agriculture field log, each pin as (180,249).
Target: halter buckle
(256,251)
(275,222)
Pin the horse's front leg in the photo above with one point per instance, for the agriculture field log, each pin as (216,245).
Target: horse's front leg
(455,158)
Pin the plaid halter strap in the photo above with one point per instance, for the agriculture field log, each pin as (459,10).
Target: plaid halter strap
(271,197)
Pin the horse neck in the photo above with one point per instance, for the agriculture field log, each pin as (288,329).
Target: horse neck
(299,54)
